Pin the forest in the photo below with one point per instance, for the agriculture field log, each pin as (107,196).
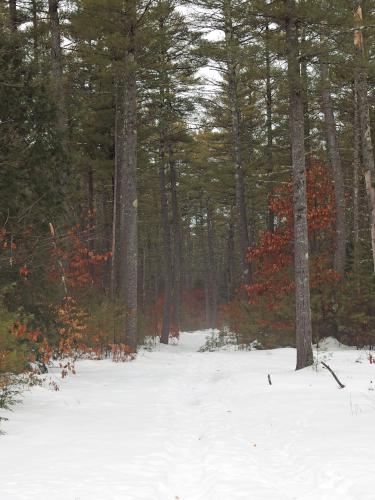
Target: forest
(169,166)
(187,187)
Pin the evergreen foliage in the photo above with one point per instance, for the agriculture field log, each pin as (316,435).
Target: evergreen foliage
(213,157)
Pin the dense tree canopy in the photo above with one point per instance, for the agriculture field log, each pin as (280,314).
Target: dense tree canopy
(169,165)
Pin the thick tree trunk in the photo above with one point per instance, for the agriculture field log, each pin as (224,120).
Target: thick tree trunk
(232,77)
(128,189)
(167,255)
(269,150)
(364,120)
(301,246)
(338,177)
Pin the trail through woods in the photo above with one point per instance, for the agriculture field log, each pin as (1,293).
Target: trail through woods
(181,424)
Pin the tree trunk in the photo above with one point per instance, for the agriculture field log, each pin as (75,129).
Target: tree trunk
(167,256)
(364,120)
(58,77)
(117,251)
(34,8)
(91,211)
(177,242)
(305,94)
(335,160)
(13,14)
(356,176)
(232,76)
(106,238)
(230,263)
(128,188)
(270,215)
(301,246)
(212,280)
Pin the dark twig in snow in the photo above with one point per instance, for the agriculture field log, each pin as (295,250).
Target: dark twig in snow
(333,375)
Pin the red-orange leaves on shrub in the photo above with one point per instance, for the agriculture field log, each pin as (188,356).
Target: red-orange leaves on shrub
(24,271)
(273,257)
(122,353)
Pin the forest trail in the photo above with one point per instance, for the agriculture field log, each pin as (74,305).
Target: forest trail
(181,424)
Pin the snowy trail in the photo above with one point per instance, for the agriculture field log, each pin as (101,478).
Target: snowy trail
(179,424)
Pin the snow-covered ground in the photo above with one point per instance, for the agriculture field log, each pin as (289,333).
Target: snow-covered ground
(181,424)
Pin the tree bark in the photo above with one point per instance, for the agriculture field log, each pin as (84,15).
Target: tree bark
(58,77)
(337,170)
(212,279)
(13,18)
(230,263)
(128,188)
(117,251)
(270,215)
(177,242)
(364,119)
(167,255)
(34,8)
(356,176)
(232,76)
(301,246)
(305,94)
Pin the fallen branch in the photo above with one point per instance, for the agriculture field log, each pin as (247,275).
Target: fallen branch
(333,375)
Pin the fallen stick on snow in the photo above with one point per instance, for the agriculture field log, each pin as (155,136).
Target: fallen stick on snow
(333,375)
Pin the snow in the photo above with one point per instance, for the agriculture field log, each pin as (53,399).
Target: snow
(188,425)
(331,344)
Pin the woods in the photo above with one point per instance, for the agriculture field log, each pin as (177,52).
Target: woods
(202,164)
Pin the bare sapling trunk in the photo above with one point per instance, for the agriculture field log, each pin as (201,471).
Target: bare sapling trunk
(301,246)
